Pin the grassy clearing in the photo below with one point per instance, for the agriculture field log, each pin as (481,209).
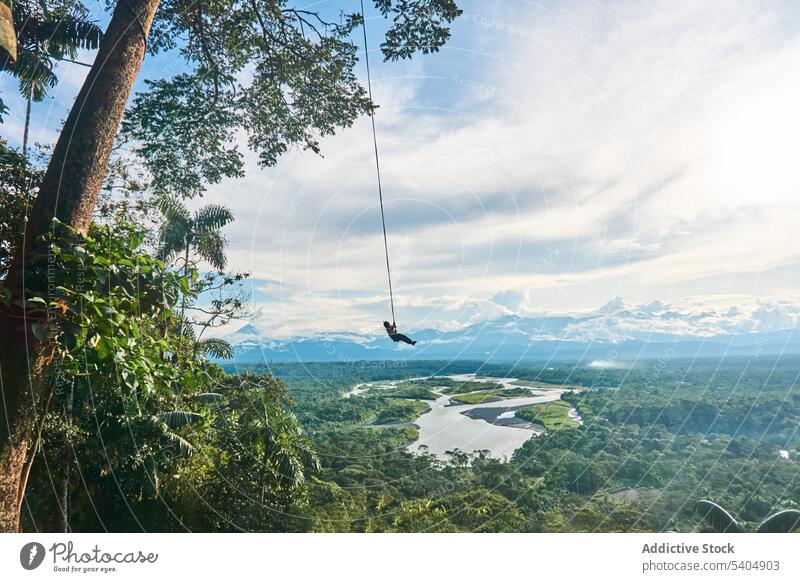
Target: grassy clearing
(543,385)
(551,415)
(398,411)
(470,386)
(489,396)
(450,386)
(402,390)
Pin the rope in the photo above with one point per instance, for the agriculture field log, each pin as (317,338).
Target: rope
(377,160)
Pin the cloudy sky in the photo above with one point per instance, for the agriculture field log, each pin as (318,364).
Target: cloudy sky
(554,156)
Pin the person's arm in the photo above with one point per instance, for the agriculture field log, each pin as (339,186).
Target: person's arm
(393,328)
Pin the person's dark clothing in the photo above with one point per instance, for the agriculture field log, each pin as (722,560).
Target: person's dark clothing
(398,337)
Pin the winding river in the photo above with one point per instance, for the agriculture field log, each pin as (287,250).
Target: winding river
(490,426)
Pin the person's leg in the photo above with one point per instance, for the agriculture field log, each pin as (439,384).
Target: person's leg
(403,338)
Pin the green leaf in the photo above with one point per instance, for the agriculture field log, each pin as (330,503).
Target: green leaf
(42,331)
(104,347)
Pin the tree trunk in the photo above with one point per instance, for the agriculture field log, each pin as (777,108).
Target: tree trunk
(183,302)
(27,124)
(66,462)
(68,192)
(17,419)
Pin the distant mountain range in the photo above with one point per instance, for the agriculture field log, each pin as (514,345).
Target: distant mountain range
(615,334)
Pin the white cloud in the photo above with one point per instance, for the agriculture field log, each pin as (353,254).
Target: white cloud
(548,159)
(615,321)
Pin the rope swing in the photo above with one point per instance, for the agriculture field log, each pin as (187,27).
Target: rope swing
(377,160)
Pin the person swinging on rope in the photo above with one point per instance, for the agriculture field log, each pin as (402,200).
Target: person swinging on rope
(391,329)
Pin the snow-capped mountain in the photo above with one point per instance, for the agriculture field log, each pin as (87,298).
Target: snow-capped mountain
(614,332)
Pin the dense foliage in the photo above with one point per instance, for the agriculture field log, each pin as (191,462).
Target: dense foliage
(279,74)
(139,417)
(109,311)
(142,429)
(17,181)
(145,432)
(630,467)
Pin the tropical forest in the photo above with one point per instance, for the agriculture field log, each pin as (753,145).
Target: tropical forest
(125,405)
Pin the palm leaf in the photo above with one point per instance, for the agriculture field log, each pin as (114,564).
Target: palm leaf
(785,521)
(173,209)
(716,517)
(208,398)
(176,419)
(288,466)
(217,348)
(188,331)
(309,457)
(212,217)
(184,448)
(68,34)
(174,236)
(35,74)
(211,246)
